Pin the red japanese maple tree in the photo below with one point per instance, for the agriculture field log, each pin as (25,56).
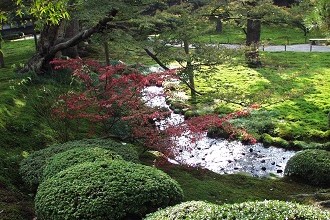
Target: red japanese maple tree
(112,95)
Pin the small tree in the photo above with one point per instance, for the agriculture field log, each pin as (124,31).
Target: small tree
(181,26)
(112,95)
(320,16)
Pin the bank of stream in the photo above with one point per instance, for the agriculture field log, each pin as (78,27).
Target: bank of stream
(220,155)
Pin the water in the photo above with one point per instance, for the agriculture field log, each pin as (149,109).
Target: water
(220,155)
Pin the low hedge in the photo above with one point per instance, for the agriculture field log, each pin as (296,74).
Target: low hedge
(106,190)
(66,159)
(265,210)
(310,166)
(31,168)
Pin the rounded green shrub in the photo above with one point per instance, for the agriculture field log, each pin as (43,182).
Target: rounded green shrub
(66,159)
(32,167)
(310,166)
(106,190)
(265,210)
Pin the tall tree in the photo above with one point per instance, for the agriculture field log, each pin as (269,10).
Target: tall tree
(249,15)
(296,15)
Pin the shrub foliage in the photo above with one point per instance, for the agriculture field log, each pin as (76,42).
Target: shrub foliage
(66,159)
(264,210)
(32,167)
(310,166)
(106,190)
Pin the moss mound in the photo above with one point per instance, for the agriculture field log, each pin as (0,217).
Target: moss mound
(265,210)
(310,166)
(66,159)
(32,167)
(106,190)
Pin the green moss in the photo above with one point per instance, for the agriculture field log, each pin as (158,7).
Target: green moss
(291,88)
(310,166)
(275,141)
(106,190)
(14,205)
(249,210)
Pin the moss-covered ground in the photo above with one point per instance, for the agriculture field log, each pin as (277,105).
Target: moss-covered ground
(292,90)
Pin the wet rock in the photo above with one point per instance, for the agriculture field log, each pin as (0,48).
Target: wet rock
(263,168)
(251,150)
(191,156)
(279,171)
(229,161)
(243,154)
(177,111)
(203,158)
(263,161)
(236,168)
(273,163)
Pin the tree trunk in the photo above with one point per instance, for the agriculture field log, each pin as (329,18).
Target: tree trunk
(71,29)
(218,27)
(253,31)
(2,61)
(252,41)
(40,61)
(106,51)
(50,43)
(189,70)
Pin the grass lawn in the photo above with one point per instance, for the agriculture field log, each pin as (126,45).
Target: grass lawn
(270,35)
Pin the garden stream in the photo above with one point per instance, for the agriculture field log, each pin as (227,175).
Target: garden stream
(220,155)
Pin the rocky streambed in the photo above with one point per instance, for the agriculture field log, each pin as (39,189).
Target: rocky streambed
(220,155)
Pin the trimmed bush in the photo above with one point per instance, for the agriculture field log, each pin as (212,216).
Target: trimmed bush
(106,190)
(310,166)
(66,159)
(32,167)
(265,210)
